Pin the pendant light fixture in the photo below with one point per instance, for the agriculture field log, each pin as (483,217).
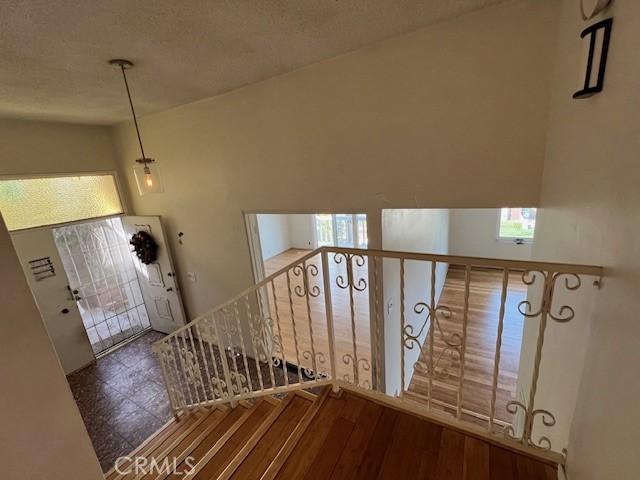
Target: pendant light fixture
(148,180)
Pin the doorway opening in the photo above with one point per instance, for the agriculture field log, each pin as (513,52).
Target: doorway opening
(279,240)
(275,240)
(96,257)
(341,230)
(102,307)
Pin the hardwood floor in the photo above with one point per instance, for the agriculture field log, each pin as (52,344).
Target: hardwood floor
(303,436)
(484,305)
(352,438)
(341,317)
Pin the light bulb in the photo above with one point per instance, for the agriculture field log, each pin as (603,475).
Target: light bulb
(147,177)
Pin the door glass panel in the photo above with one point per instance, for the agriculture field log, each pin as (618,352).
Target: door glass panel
(361,230)
(34,202)
(344,230)
(96,258)
(324,229)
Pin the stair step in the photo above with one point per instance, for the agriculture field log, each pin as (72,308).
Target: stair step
(186,446)
(165,436)
(292,440)
(251,441)
(212,442)
(261,455)
(210,467)
(255,438)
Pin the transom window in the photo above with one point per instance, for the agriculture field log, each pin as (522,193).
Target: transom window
(35,202)
(517,224)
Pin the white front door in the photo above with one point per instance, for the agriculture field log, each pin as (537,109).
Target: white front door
(158,279)
(49,284)
(102,274)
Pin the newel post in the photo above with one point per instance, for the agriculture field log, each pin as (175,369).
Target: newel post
(329,312)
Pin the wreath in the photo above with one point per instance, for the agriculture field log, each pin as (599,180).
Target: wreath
(145,247)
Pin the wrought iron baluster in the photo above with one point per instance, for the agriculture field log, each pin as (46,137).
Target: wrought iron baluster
(204,360)
(159,349)
(235,376)
(308,291)
(185,376)
(252,333)
(496,362)
(197,367)
(432,316)
(463,341)
(266,332)
(278,339)
(402,329)
(376,307)
(293,324)
(329,315)
(247,372)
(222,352)
(180,394)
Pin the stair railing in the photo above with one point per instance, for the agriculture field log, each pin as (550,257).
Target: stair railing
(322,320)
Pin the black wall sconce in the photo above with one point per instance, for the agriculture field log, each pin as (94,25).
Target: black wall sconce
(599,38)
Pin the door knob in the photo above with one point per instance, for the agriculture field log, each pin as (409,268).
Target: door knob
(64,311)
(170,289)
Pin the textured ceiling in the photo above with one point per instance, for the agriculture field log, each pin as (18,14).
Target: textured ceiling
(53,53)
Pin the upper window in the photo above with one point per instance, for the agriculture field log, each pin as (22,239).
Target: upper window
(34,202)
(517,224)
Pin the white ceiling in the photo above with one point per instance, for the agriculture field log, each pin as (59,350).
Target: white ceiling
(53,53)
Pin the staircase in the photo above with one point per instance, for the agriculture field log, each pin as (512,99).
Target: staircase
(304,435)
(239,379)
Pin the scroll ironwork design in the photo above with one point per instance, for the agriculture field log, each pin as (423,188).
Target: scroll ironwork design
(320,359)
(526,436)
(564,313)
(452,340)
(192,372)
(359,284)
(360,363)
(306,271)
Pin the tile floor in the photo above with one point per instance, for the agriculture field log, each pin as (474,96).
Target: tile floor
(122,398)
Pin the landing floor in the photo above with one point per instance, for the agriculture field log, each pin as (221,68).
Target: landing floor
(354,438)
(122,398)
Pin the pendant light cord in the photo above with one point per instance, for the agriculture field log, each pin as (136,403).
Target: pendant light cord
(133,113)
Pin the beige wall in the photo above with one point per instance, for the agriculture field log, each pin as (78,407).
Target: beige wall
(590,199)
(453,115)
(42,434)
(474,232)
(31,148)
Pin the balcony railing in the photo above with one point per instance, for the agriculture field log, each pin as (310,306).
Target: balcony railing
(331,317)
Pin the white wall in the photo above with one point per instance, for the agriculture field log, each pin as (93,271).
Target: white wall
(421,231)
(452,115)
(280,232)
(302,229)
(590,199)
(274,234)
(42,434)
(31,148)
(473,232)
